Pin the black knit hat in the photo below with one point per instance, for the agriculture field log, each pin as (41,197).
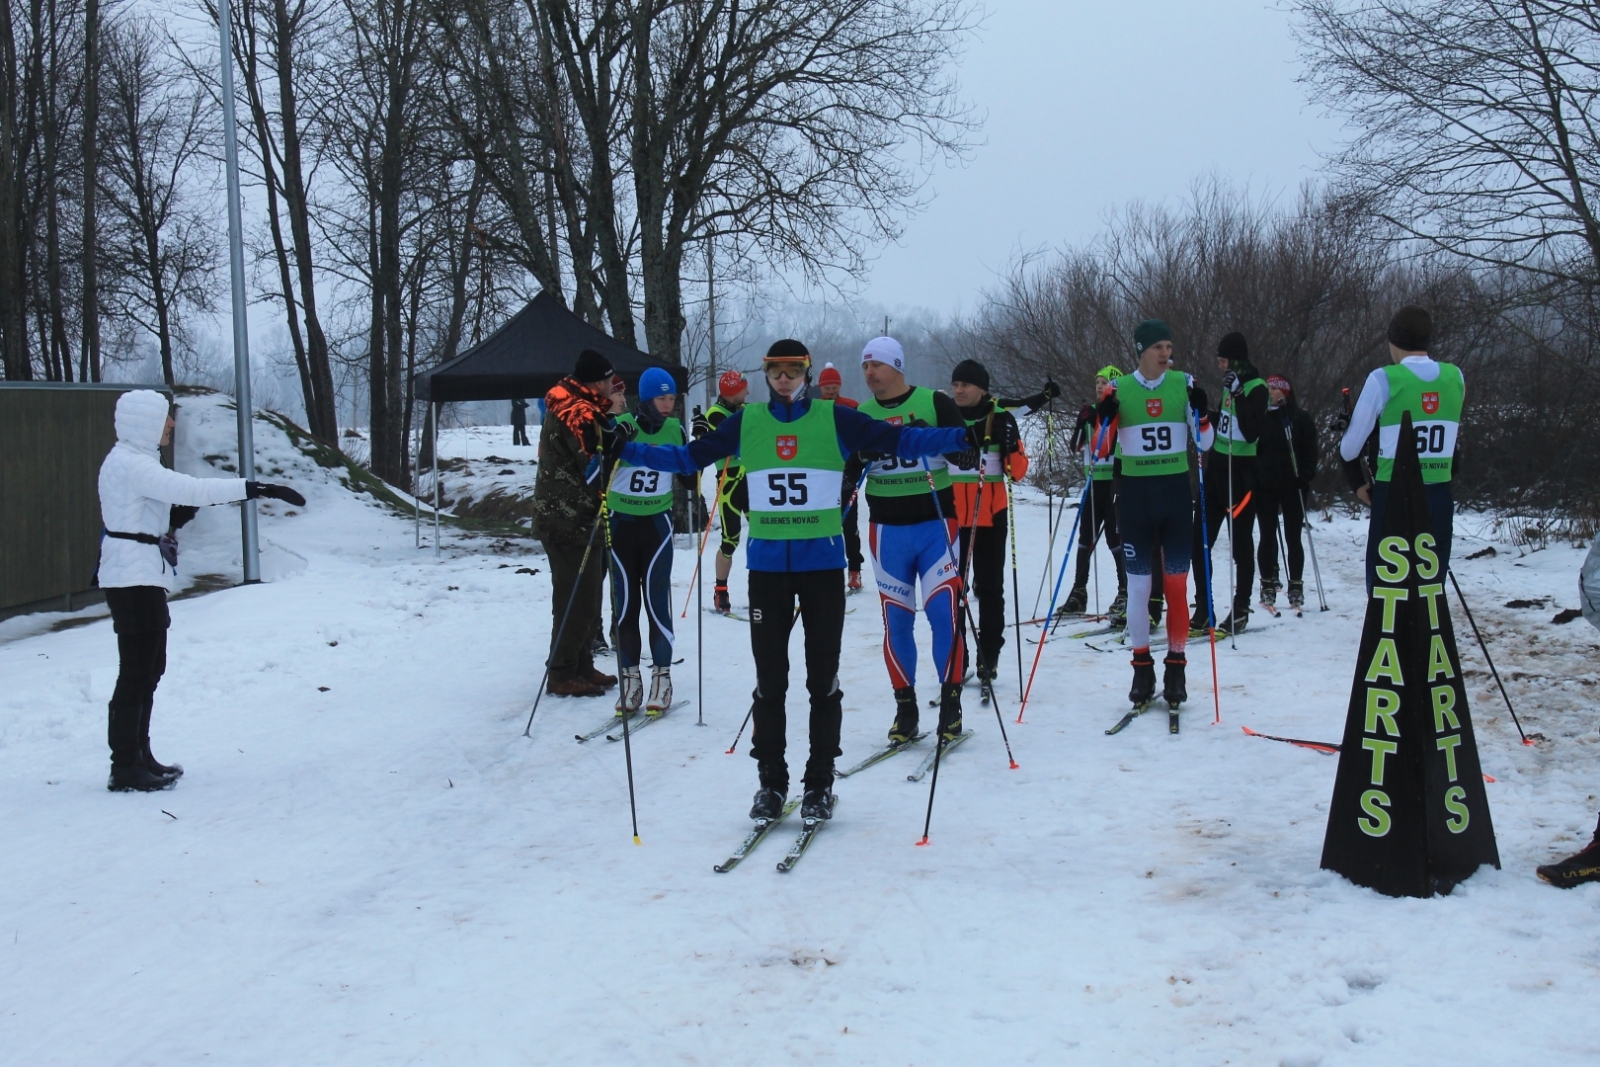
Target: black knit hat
(1411,329)
(1233,348)
(1149,332)
(788,348)
(592,367)
(972,372)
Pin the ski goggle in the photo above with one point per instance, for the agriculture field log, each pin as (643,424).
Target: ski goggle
(792,368)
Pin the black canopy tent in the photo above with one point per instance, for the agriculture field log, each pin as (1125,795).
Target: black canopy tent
(533,351)
(524,358)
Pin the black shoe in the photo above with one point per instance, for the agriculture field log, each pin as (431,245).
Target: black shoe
(816,804)
(173,771)
(768,805)
(1576,869)
(719,598)
(1200,618)
(1174,686)
(905,715)
(949,712)
(1077,601)
(1235,623)
(1144,679)
(137,779)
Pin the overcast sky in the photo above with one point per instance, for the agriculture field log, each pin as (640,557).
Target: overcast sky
(1091,105)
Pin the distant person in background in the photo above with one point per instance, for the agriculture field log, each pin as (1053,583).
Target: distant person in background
(1286,462)
(1583,865)
(519,422)
(733,497)
(602,647)
(141,503)
(566,501)
(1096,438)
(829,382)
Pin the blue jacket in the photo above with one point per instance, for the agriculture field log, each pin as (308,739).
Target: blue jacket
(856,433)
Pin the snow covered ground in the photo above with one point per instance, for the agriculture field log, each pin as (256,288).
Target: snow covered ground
(367,863)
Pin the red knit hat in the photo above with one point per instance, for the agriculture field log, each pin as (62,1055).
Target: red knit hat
(1280,383)
(830,376)
(731,384)
(618,385)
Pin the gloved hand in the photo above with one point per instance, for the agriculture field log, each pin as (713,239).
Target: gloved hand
(1010,437)
(180,515)
(1085,414)
(1108,406)
(615,434)
(257,490)
(1051,390)
(1232,383)
(1341,423)
(1198,399)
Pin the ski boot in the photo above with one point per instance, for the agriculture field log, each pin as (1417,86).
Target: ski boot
(768,804)
(1297,595)
(1143,690)
(660,691)
(1155,611)
(631,695)
(905,716)
(855,582)
(719,598)
(1269,593)
(1077,601)
(816,805)
(1118,611)
(1582,866)
(1199,619)
(1235,623)
(1174,686)
(986,676)
(949,713)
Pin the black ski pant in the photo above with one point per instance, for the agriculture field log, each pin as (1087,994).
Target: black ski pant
(572,645)
(641,577)
(1100,517)
(983,559)
(773,595)
(140,619)
(519,433)
(1441,523)
(1216,520)
(1269,502)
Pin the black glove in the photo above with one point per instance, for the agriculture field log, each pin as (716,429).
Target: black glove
(615,434)
(868,456)
(1051,390)
(1341,422)
(918,424)
(1085,414)
(1010,437)
(1232,383)
(180,515)
(966,460)
(256,490)
(1109,406)
(1198,399)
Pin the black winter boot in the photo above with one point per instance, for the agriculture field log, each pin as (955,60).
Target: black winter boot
(137,779)
(905,715)
(1143,689)
(1174,686)
(173,771)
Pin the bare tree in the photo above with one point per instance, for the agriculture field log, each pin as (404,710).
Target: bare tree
(89,347)
(160,242)
(1477,123)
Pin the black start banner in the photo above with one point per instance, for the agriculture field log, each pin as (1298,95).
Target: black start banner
(1410,816)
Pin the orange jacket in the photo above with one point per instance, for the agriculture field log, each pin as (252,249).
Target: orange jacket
(987,498)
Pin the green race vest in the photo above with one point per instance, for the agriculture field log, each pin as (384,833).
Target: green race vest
(1153,425)
(989,466)
(730,466)
(1435,417)
(794,472)
(639,490)
(1230,439)
(905,477)
(1100,469)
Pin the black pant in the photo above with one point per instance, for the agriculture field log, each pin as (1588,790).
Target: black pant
(772,603)
(852,535)
(139,617)
(1441,523)
(641,577)
(572,646)
(983,557)
(1269,502)
(1101,516)
(1244,523)
(519,433)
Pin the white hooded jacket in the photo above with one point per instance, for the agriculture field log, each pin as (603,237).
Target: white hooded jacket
(137,492)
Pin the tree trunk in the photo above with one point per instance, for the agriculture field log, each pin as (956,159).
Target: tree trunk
(13,247)
(89,345)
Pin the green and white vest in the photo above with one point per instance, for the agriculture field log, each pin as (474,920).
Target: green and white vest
(1153,425)
(640,490)
(905,477)
(1230,439)
(1435,418)
(794,473)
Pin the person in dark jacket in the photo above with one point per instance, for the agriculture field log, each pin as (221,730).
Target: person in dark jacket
(1285,465)
(793,452)
(519,422)
(566,505)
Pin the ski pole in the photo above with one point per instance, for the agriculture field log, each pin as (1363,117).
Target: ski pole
(705,535)
(627,744)
(1233,563)
(700,617)
(1490,660)
(1211,611)
(740,734)
(1044,629)
(1016,597)
(555,642)
(1305,515)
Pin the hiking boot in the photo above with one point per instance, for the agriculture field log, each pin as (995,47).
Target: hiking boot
(573,687)
(604,681)
(660,690)
(768,805)
(1119,608)
(905,716)
(719,598)
(1077,601)
(1143,689)
(949,712)
(1580,867)
(138,778)
(1297,593)
(816,804)
(632,692)
(1174,686)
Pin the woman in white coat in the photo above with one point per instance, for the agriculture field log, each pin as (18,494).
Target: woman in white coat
(137,564)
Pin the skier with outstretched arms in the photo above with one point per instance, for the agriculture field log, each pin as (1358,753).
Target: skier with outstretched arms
(1156,409)
(793,451)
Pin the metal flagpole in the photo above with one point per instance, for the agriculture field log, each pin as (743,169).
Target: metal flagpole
(251,547)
